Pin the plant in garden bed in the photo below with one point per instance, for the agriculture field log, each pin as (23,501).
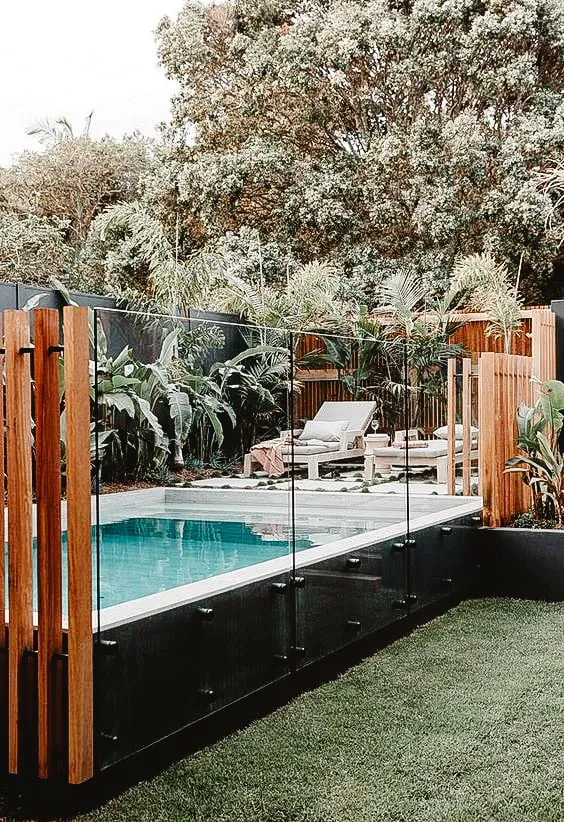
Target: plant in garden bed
(370,362)
(147,408)
(542,462)
(255,385)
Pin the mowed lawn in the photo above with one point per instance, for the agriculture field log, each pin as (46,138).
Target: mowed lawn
(462,720)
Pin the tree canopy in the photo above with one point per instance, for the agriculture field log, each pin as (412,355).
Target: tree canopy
(371,134)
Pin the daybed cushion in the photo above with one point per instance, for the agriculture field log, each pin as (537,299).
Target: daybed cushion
(442,432)
(324,431)
(305,450)
(435,448)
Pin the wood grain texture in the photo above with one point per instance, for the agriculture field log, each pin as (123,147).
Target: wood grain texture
(466,424)
(2,525)
(543,340)
(504,382)
(80,643)
(451,422)
(18,435)
(48,492)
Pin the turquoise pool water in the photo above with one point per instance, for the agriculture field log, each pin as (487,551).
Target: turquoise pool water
(145,555)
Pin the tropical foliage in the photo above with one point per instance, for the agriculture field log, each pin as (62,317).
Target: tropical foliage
(403,346)
(541,462)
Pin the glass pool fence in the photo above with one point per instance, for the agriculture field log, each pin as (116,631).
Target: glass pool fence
(250,518)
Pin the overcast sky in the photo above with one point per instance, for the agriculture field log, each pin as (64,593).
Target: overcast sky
(69,57)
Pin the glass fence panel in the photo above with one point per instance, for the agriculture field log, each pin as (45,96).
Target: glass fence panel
(194,535)
(348,495)
(442,562)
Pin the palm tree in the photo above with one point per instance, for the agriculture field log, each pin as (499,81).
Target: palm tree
(309,301)
(51,133)
(173,284)
(488,288)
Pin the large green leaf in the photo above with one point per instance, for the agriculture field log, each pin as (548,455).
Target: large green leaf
(120,401)
(169,347)
(180,413)
(122,359)
(119,381)
(149,417)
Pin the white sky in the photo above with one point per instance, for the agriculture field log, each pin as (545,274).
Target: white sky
(69,57)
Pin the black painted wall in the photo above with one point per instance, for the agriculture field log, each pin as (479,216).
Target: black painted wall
(524,563)
(558,308)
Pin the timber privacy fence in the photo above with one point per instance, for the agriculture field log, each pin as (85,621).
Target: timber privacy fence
(46,692)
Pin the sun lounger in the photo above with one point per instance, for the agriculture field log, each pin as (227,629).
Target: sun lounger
(335,433)
(422,454)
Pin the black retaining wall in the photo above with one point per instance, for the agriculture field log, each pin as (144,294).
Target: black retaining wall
(521,562)
(122,328)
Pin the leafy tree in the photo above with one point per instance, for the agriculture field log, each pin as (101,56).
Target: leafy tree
(33,249)
(74,179)
(160,271)
(373,135)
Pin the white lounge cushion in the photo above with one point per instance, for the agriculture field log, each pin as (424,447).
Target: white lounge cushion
(435,448)
(313,447)
(442,432)
(323,431)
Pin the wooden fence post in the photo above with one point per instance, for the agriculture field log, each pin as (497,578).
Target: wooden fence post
(466,424)
(3,571)
(504,382)
(80,641)
(451,422)
(2,528)
(48,492)
(20,582)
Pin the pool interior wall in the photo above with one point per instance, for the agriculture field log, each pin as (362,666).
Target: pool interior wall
(164,670)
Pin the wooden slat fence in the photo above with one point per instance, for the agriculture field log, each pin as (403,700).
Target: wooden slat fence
(536,339)
(504,381)
(543,348)
(43,733)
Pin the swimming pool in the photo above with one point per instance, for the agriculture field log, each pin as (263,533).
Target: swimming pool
(145,555)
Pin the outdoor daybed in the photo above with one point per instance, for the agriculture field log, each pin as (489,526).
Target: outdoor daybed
(422,454)
(335,433)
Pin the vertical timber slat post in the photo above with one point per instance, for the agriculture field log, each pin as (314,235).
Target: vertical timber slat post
(466,424)
(451,422)
(80,644)
(2,529)
(48,489)
(18,432)
(3,571)
(485,441)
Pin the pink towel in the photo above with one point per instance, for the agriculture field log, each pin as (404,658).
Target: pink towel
(269,455)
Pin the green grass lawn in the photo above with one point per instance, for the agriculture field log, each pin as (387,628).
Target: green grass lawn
(462,720)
